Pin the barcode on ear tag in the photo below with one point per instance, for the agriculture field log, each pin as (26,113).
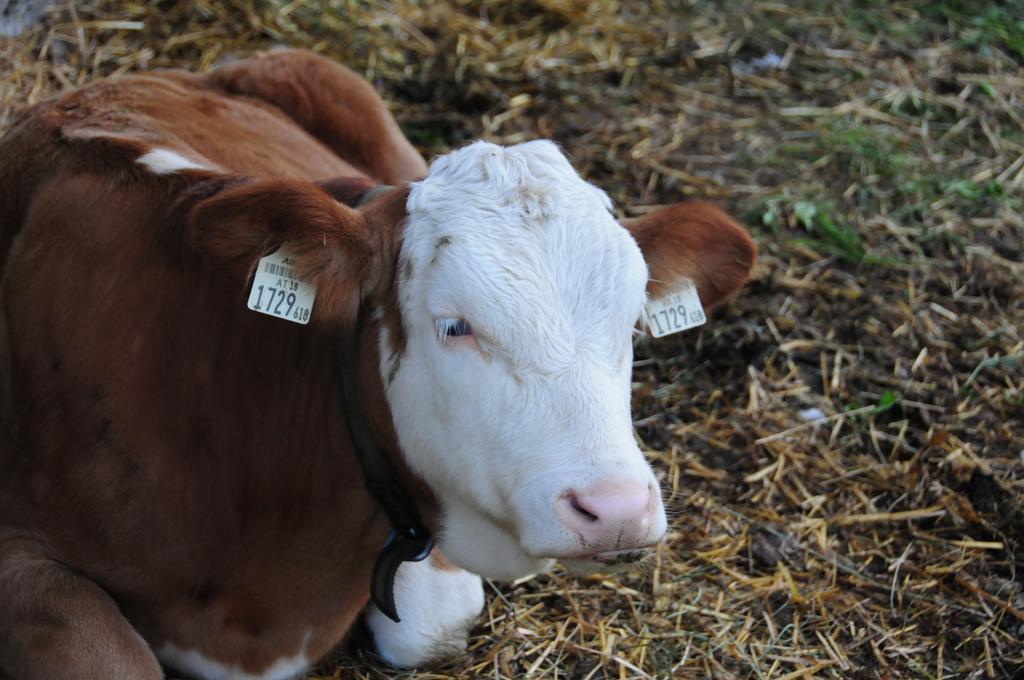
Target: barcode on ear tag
(678,311)
(278,292)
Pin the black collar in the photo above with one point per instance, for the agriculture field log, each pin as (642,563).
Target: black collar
(410,540)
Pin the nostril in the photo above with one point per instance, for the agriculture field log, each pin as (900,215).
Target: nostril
(578,507)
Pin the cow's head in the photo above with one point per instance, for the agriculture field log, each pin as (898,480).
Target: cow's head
(517,297)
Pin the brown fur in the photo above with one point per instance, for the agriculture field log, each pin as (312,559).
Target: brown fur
(331,242)
(184,457)
(316,93)
(698,241)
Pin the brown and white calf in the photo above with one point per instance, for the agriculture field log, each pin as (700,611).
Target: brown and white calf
(179,482)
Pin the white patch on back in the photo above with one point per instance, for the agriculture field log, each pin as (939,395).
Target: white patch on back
(194,663)
(167,162)
(438,608)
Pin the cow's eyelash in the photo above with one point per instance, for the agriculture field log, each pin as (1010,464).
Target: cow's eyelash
(448,329)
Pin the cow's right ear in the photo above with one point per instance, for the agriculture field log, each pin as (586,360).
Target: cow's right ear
(329,243)
(695,241)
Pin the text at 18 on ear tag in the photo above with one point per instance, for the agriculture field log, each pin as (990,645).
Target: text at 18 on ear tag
(678,311)
(278,292)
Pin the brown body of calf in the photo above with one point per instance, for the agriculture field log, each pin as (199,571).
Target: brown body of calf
(174,464)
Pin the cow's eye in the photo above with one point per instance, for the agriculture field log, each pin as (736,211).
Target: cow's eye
(453,328)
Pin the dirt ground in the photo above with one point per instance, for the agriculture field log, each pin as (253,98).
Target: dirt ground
(843,443)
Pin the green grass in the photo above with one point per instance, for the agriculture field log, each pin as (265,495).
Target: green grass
(983,26)
(853,169)
(979,25)
(865,150)
(825,232)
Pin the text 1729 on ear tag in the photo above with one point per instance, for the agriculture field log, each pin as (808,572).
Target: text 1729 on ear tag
(277,291)
(677,311)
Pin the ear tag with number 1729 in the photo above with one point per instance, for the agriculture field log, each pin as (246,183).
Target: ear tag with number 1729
(277,291)
(677,311)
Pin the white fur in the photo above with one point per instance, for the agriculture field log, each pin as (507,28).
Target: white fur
(512,240)
(166,162)
(437,608)
(194,663)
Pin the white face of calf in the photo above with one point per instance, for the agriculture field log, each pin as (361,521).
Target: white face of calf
(519,294)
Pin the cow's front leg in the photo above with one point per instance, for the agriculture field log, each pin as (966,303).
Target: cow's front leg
(55,623)
(438,604)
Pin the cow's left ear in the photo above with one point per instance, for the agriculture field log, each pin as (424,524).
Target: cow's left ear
(693,240)
(329,243)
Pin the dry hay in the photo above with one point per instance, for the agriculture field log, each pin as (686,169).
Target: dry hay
(843,442)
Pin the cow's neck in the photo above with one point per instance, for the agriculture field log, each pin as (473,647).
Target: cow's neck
(401,496)
(410,539)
